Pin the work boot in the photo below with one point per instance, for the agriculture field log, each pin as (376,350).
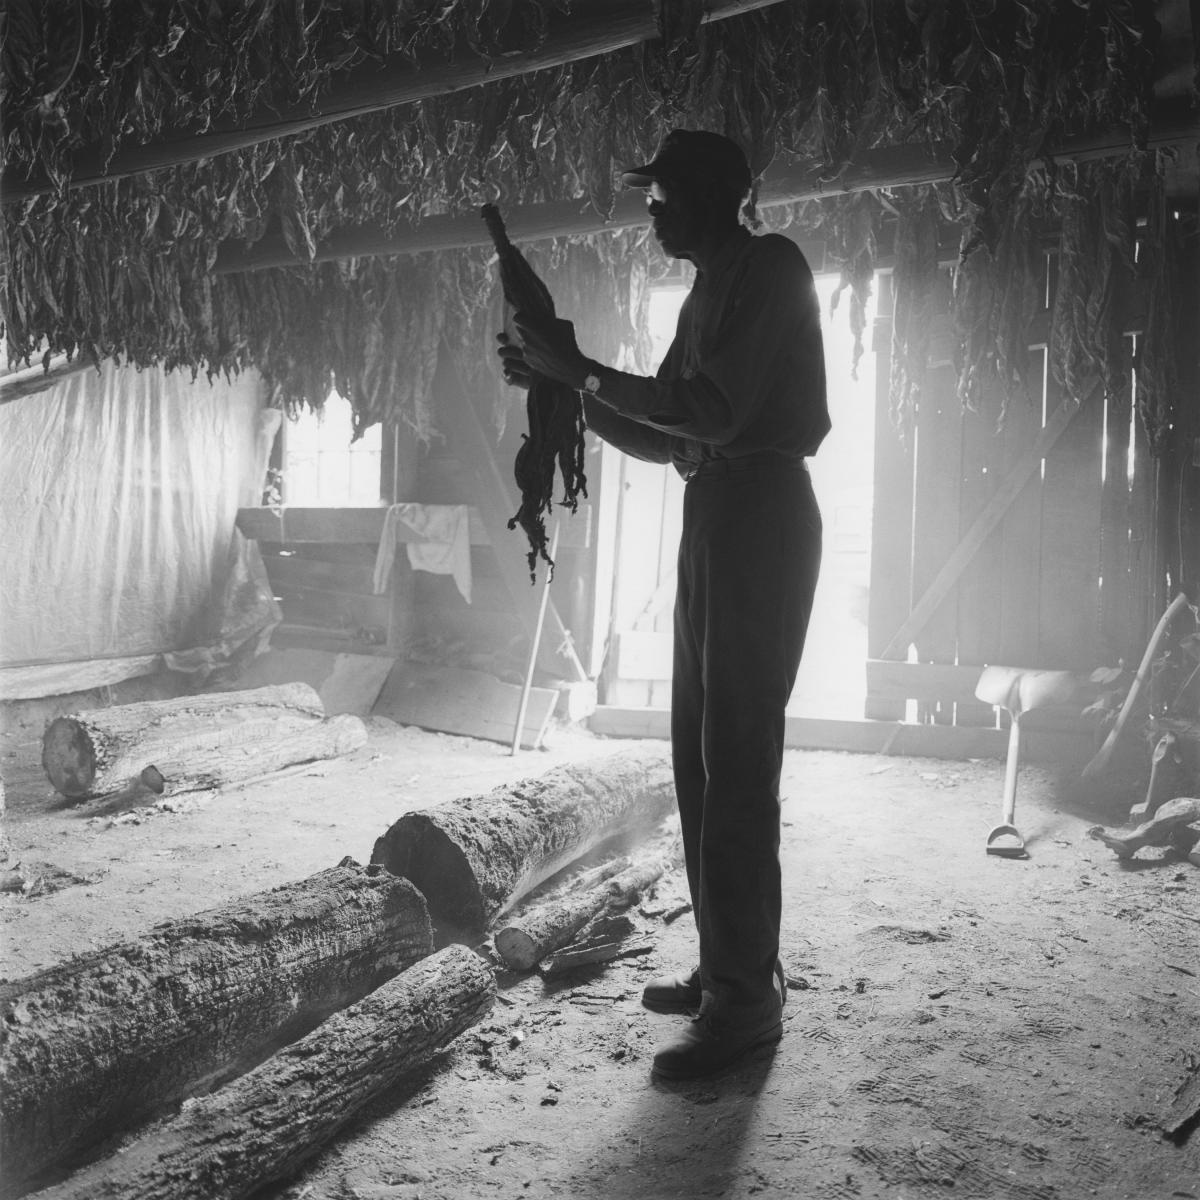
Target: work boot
(682,993)
(714,1041)
(673,993)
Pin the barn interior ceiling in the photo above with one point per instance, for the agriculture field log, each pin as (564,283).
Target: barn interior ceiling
(295,187)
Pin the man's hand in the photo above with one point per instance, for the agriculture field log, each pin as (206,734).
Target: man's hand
(550,348)
(512,362)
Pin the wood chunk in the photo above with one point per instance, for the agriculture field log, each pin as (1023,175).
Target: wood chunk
(539,933)
(193,742)
(604,940)
(100,1043)
(475,857)
(550,926)
(1170,824)
(263,1126)
(1185,1108)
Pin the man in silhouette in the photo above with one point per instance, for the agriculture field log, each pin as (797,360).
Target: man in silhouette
(736,406)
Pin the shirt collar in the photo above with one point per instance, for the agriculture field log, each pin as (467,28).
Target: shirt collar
(728,252)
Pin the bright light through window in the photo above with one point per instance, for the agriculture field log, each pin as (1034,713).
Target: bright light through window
(322,468)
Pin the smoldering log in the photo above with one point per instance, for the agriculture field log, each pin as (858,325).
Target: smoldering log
(548,927)
(605,938)
(474,857)
(193,742)
(95,1045)
(263,1126)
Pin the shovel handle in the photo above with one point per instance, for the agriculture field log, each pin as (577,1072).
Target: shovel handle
(1011,765)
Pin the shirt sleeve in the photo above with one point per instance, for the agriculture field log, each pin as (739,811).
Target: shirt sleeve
(633,437)
(773,309)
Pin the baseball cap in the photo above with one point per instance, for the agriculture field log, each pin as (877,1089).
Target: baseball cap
(686,153)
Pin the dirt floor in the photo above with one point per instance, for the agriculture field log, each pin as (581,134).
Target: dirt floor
(958,1025)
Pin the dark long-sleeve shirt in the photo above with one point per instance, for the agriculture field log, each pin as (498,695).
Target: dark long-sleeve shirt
(744,375)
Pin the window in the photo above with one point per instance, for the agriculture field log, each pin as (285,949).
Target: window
(322,467)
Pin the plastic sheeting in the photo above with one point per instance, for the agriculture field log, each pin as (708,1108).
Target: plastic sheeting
(118,495)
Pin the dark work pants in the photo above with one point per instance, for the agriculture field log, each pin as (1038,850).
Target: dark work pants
(748,562)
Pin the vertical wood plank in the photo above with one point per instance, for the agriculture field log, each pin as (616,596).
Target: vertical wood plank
(936,516)
(1021,534)
(979,588)
(890,594)
(1146,592)
(399,469)
(1069,591)
(1118,585)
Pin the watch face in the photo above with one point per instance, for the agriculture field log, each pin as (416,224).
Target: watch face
(592,384)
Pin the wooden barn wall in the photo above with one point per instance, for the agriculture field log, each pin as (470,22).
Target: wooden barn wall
(1074,572)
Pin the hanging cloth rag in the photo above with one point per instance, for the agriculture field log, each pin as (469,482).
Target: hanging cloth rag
(445,548)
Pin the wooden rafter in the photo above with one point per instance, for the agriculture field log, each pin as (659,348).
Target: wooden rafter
(38,378)
(588,30)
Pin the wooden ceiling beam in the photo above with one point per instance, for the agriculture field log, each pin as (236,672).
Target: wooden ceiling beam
(589,29)
(891,167)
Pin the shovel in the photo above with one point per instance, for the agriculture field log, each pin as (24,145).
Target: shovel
(1019,691)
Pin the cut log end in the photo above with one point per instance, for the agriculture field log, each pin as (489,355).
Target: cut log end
(69,758)
(518,950)
(423,853)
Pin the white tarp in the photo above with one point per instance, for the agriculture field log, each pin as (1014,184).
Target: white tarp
(118,495)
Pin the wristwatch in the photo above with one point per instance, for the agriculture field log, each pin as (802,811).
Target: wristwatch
(591,384)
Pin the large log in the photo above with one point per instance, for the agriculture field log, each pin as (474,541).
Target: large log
(264,1125)
(474,857)
(549,926)
(193,742)
(99,1043)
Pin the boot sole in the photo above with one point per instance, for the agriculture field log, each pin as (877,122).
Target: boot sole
(770,1038)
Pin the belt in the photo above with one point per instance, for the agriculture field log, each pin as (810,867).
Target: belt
(712,468)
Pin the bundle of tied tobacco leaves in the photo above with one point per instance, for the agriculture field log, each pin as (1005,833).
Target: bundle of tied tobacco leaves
(553,409)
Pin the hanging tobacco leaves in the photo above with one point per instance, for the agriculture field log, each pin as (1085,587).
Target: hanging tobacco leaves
(553,410)
(122,269)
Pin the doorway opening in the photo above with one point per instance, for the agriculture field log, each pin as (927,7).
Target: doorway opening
(649,500)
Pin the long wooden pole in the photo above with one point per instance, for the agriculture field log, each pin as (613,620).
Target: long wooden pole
(588,30)
(523,708)
(38,378)
(889,167)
